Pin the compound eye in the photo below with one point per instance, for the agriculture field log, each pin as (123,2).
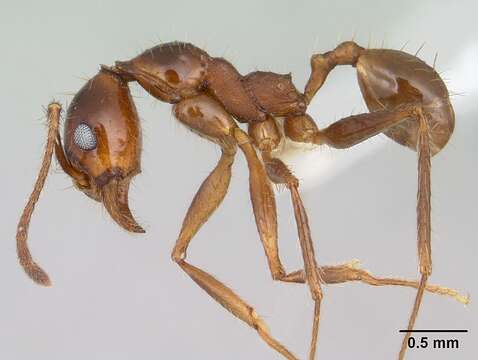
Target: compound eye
(84,137)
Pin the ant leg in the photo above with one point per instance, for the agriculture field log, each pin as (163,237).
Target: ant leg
(233,303)
(347,131)
(346,53)
(355,129)
(205,202)
(423,220)
(348,272)
(280,174)
(207,117)
(263,205)
(207,199)
(263,202)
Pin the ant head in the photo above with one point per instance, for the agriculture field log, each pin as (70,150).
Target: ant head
(102,144)
(101,153)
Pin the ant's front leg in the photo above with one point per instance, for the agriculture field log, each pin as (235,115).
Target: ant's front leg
(207,117)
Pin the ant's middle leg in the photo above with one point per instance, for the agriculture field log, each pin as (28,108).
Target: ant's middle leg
(279,173)
(266,137)
(313,276)
(334,274)
(350,272)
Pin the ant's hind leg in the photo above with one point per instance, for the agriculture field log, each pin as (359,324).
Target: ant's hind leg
(346,53)
(423,220)
(355,129)
(348,131)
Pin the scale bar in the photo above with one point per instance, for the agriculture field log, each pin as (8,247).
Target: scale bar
(435,331)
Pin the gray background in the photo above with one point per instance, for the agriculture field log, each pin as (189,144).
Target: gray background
(118,296)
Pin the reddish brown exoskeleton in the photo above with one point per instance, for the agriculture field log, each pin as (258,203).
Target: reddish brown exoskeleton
(102,145)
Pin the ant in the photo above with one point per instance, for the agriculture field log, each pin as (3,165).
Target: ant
(101,149)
